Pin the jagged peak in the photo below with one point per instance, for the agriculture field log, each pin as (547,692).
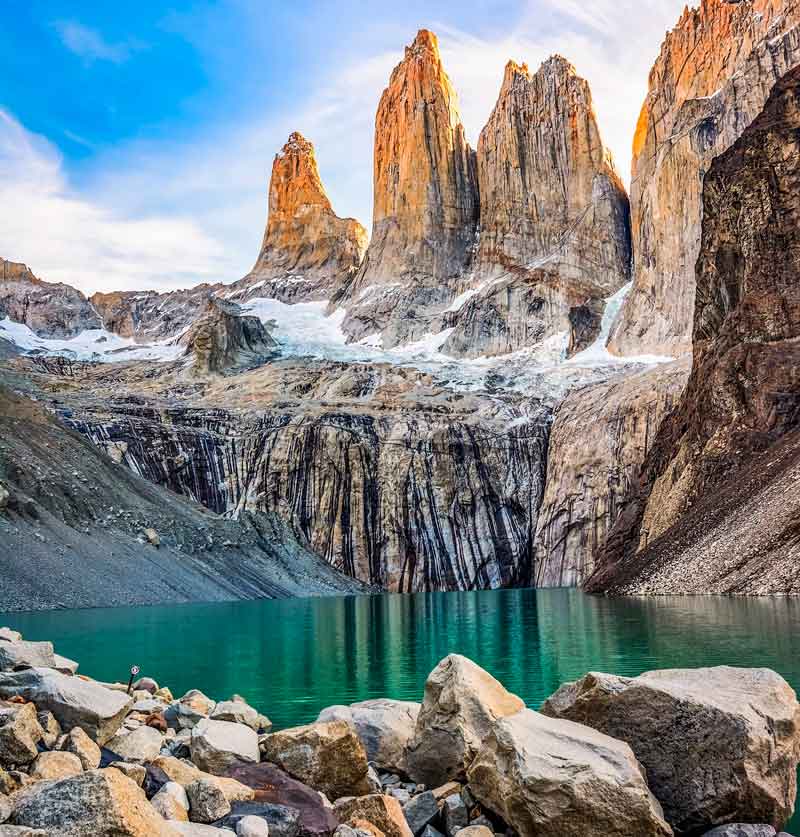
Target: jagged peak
(425,41)
(297,144)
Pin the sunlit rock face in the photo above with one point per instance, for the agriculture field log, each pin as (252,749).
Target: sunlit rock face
(387,476)
(554,231)
(716,509)
(714,73)
(308,252)
(425,202)
(47,308)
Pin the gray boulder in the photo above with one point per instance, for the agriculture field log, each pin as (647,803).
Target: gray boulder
(207,802)
(553,778)
(73,701)
(737,829)
(100,802)
(239,712)
(460,706)
(141,745)
(420,810)
(384,726)
(719,744)
(22,654)
(251,826)
(218,745)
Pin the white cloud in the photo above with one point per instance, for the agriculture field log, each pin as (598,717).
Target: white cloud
(90,45)
(65,238)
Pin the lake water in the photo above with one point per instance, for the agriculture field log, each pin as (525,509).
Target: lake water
(293,657)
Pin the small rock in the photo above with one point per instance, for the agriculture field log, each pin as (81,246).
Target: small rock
(140,746)
(172,802)
(65,665)
(21,831)
(430,831)
(6,807)
(163,694)
(152,537)
(741,830)
(146,684)
(282,820)
(238,712)
(136,772)
(384,811)
(400,794)
(476,831)
(20,732)
(207,803)
(78,742)
(420,811)
(251,826)
(455,813)
(55,765)
(50,727)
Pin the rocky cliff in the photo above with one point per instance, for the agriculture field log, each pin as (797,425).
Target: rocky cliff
(714,496)
(554,233)
(713,75)
(48,309)
(425,202)
(223,339)
(388,476)
(308,252)
(600,438)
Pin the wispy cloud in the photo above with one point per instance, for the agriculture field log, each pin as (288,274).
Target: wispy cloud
(67,238)
(90,45)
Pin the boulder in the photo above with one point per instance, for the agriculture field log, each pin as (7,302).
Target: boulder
(420,810)
(146,684)
(207,802)
(251,826)
(184,774)
(272,785)
(281,820)
(328,756)
(554,778)
(73,700)
(8,635)
(97,802)
(461,704)
(384,726)
(20,732)
(196,829)
(78,742)
(22,654)
(51,729)
(55,765)
(455,813)
(381,810)
(735,730)
(476,831)
(189,710)
(65,665)
(172,802)
(239,712)
(741,830)
(140,745)
(217,745)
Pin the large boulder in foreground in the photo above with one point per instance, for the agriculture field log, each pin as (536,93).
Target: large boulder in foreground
(73,701)
(328,756)
(552,778)
(384,726)
(719,744)
(20,732)
(217,745)
(99,802)
(461,704)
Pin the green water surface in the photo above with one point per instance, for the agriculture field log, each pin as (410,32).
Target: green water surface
(293,657)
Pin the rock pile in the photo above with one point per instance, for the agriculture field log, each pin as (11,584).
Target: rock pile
(81,758)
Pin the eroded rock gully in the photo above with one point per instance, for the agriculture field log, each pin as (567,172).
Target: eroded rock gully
(713,75)
(389,477)
(716,508)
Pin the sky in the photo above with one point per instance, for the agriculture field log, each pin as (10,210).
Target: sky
(136,138)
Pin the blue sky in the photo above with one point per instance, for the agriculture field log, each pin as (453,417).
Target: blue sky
(136,138)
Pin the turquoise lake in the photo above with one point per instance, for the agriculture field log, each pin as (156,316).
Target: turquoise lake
(291,658)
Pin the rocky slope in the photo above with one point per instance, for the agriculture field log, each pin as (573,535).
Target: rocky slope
(78,530)
(425,203)
(600,438)
(554,231)
(391,478)
(713,75)
(48,309)
(224,340)
(708,473)
(308,252)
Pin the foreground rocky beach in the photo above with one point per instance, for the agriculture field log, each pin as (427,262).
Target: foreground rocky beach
(708,751)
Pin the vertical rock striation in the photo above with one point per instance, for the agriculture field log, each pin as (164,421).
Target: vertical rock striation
(600,438)
(308,252)
(713,75)
(425,202)
(554,234)
(740,413)
(47,308)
